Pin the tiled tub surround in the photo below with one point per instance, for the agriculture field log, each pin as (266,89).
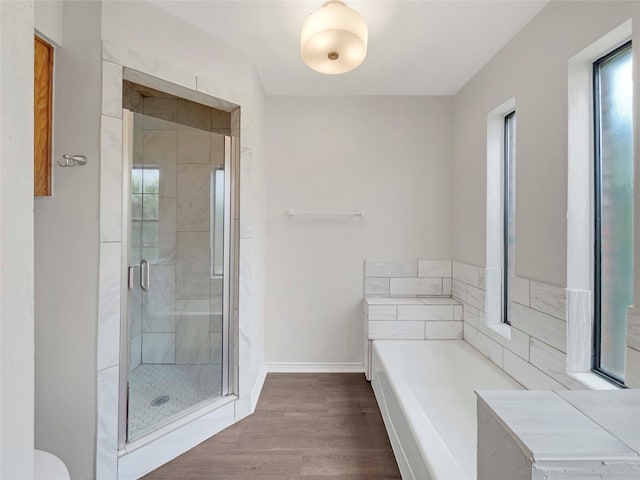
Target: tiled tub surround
(396,318)
(533,350)
(409,300)
(407,278)
(568,435)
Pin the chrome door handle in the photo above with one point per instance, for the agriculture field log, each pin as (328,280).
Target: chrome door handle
(145,269)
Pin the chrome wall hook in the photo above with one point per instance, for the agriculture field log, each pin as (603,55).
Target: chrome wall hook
(72,160)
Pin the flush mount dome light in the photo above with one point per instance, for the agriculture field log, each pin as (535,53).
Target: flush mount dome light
(334,39)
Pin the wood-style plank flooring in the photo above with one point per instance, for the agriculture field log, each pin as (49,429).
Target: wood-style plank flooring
(306,426)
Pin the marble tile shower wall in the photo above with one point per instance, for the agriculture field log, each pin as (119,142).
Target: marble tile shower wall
(182,313)
(534,349)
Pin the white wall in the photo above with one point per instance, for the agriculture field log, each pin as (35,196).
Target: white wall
(389,156)
(66,253)
(16,240)
(49,19)
(532,68)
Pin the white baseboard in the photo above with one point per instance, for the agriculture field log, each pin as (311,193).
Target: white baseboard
(315,367)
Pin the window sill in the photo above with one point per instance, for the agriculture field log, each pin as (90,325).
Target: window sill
(594,382)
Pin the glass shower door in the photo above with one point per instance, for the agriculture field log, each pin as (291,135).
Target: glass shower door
(176,258)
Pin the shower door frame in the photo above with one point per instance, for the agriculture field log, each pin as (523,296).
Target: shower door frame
(229,269)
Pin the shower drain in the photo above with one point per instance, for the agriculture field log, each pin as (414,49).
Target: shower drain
(156,402)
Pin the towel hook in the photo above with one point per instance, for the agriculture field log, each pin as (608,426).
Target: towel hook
(72,160)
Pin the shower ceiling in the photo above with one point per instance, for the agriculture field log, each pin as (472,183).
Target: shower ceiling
(415,47)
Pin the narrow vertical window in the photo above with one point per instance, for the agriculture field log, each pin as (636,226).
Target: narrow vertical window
(508,210)
(613,206)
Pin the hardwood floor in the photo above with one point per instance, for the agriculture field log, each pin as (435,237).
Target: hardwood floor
(306,426)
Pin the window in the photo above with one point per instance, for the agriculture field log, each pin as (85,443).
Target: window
(500,214)
(508,210)
(145,187)
(613,209)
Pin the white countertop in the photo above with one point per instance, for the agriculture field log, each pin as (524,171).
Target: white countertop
(570,425)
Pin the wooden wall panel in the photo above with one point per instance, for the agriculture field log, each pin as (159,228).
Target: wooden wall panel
(43,109)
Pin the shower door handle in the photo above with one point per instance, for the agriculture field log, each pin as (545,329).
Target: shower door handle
(145,269)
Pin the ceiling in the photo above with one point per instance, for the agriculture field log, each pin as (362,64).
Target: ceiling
(415,47)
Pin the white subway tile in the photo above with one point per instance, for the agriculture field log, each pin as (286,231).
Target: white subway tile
(457,271)
(446,286)
(434,268)
(476,297)
(520,290)
(550,330)
(382,312)
(469,274)
(391,268)
(471,315)
(396,330)
(528,375)
(376,286)
(425,312)
(459,290)
(457,312)
(489,348)
(416,286)
(552,362)
(443,330)
(509,337)
(549,299)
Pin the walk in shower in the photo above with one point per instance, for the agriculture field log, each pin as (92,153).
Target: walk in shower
(176,245)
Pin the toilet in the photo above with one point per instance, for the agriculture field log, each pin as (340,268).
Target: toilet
(46,466)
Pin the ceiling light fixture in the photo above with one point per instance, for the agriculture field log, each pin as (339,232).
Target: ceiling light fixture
(334,39)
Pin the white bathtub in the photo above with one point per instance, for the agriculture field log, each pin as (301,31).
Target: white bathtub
(425,390)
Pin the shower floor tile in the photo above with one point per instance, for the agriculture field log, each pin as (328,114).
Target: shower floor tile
(185,385)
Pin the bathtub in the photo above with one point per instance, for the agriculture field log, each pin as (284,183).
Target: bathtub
(425,390)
